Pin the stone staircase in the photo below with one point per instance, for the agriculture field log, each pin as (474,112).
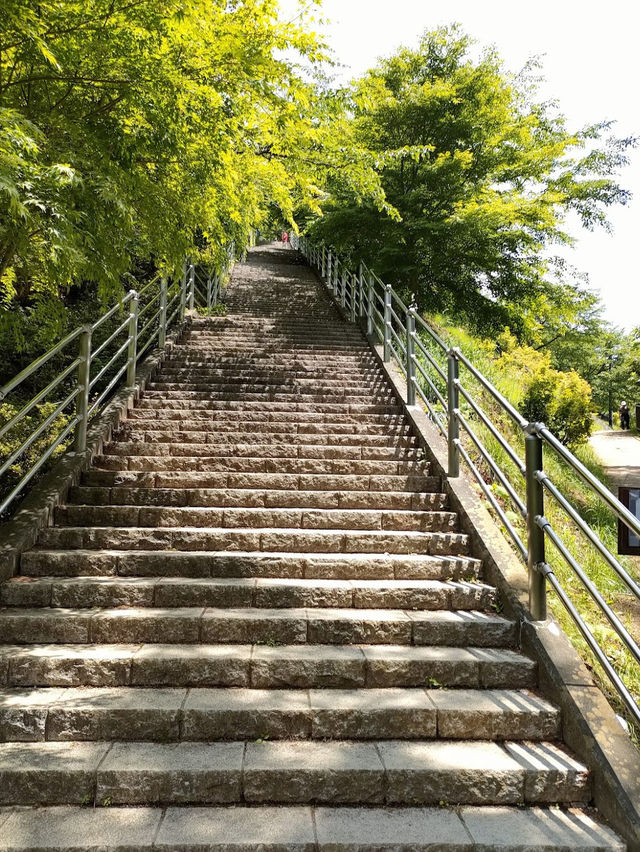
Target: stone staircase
(258,621)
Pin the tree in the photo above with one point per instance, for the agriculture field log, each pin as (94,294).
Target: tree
(480,176)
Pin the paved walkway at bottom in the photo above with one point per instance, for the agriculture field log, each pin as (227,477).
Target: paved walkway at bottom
(619,453)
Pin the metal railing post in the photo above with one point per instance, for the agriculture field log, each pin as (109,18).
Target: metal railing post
(386,329)
(335,281)
(162,325)
(209,291)
(324,261)
(370,304)
(453,404)
(361,290)
(535,509)
(329,263)
(82,400)
(132,351)
(411,356)
(183,292)
(354,294)
(343,298)
(192,286)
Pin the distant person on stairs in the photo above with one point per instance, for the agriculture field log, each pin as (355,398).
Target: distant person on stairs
(625,415)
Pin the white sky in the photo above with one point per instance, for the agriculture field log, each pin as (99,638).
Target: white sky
(590,62)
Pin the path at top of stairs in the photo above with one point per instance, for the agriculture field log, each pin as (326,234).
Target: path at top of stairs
(258,603)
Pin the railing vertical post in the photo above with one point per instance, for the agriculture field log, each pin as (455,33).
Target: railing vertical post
(132,351)
(82,400)
(411,356)
(329,263)
(386,325)
(162,325)
(335,280)
(354,296)
(209,290)
(324,261)
(343,298)
(453,403)
(192,286)
(370,304)
(535,509)
(183,291)
(361,290)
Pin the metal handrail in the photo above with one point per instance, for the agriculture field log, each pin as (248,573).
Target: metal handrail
(182,291)
(387,327)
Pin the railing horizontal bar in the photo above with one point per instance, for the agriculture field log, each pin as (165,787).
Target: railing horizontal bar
(144,348)
(506,446)
(425,325)
(431,410)
(603,492)
(399,301)
(173,316)
(114,310)
(154,280)
(597,651)
(37,432)
(423,349)
(149,323)
(589,533)
(396,337)
(495,467)
(148,306)
(109,339)
(427,379)
(36,467)
(604,607)
(109,364)
(495,393)
(397,318)
(38,397)
(491,498)
(39,362)
(108,388)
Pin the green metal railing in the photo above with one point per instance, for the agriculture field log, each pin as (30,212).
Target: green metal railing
(432,370)
(97,360)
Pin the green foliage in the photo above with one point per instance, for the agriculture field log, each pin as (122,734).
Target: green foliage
(562,401)
(478,179)
(218,310)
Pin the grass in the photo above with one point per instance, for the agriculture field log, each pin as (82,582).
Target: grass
(588,505)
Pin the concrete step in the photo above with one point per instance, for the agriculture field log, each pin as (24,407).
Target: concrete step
(367,432)
(286,396)
(143,562)
(271,450)
(340,772)
(370,378)
(73,592)
(256,518)
(250,625)
(189,480)
(246,416)
(209,715)
(250,497)
(306,407)
(262,464)
(264,666)
(306,829)
(266,540)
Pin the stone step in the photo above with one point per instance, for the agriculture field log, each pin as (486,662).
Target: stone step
(393,772)
(208,715)
(206,388)
(255,518)
(189,480)
(323,566)
(305,829)
(266,540)
(250,625)
(141,432)
(369,378)
(73,592)
(257,464)
(287,396)
(255,449)
(265,667)
(249,497)
(243,404)
(153,428)
(290,417)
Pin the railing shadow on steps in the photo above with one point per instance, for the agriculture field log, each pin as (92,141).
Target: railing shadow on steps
(91,374)
(432,371)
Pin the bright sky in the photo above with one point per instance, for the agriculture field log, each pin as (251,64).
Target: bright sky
(590,62)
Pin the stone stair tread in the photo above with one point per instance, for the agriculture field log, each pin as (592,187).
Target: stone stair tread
(243,591)
(305,829)
(263,666)
(172,714)
(318,625)
(291,771)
